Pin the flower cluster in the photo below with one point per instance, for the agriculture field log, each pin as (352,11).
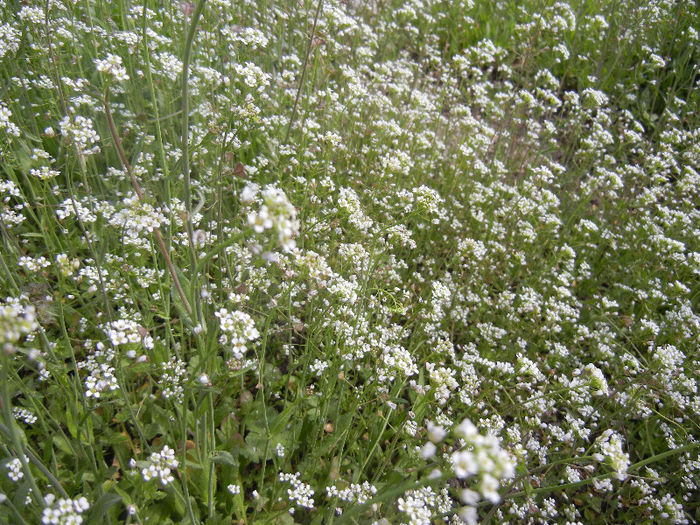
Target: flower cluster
(300,494)
(64,511)
(128,331)
(349,202)
(112,65)
(16,321)
(14,467)
(239,329)
(100,379)
(421,504)
(609,446)
(9,40)
(481,456)
(173,376)
(252,75)
(33,264)
(24,414)
(160,466)
(5,123)
(354,492)
(275,212)
(81,133)
(592,377)
(44,173)
(66,265)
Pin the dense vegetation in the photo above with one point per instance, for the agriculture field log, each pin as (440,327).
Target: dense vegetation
(423,261)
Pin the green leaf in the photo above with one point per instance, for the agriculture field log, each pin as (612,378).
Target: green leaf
(70,423)
(102,505)
(223,457)
(62,444)
(123,495)
(177,300)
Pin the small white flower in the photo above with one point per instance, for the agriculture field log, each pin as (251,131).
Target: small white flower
(466,429)
(428,450)
(468,515)
(469,497)
(464,464)
(435,432)
(489,488)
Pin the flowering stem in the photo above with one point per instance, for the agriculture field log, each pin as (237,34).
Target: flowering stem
(635,466)
(9,419)
(14,510)
(375,444)
(139,192)
(348,515)
(185,490)
(186,153)
(303,71)
(37,462)
(212,435)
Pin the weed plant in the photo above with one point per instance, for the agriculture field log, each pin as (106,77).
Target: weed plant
(329,262)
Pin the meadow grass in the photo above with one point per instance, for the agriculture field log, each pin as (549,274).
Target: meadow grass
(327,261)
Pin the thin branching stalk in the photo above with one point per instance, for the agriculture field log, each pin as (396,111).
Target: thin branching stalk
(139,192)
(37,462)
(186,154)
(14,510)
(12,434)
(194,274)
(185,489)
(631,468)
(303,72)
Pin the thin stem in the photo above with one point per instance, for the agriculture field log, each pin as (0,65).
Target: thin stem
(139,192)
(185,490)
(375,444)
(303,72)
(631,468)
(186,154)
(212,436)
(37,462)
(14,510)
(16,443)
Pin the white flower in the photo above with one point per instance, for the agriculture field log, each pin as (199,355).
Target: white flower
(466,429)
(469,497)
(468,515)
(489,488)
(160,465)
(428,450)
(464,464)
(435,432)
(112,65)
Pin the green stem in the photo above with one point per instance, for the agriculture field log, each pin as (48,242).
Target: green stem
(631,468)
(212,436)
(375,444)
(139,193)
(37,462)
(186,154)
(14,510)
(303,72)
(185,490)
(16,443)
